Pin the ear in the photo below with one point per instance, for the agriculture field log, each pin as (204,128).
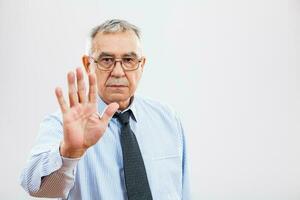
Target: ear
(86,63)
(143,63)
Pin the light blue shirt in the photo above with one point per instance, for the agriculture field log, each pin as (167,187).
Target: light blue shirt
(99,174)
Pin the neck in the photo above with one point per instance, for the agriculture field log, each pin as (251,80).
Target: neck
(122,104)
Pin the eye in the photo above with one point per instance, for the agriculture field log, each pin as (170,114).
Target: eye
(106,60)
(129,60)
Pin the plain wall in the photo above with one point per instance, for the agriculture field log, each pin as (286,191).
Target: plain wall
(230,68)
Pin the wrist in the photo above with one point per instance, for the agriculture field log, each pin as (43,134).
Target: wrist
(70,152)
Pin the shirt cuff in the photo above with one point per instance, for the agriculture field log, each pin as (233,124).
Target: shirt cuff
(68,164)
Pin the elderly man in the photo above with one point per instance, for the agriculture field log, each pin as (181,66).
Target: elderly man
(108,143)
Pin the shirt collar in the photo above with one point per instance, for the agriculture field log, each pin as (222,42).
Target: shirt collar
(102,105)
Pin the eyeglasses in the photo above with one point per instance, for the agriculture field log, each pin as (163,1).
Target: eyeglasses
(107,63)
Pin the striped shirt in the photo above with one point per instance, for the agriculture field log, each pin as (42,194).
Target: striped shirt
(99,174)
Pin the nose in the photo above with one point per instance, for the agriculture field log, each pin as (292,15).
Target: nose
(118,70)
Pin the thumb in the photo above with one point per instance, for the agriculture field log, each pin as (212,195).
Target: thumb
(109,112)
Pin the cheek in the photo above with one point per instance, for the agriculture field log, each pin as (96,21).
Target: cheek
(134,79)
(101,84)
(101,80)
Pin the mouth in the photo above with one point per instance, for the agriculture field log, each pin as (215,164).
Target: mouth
(117,86)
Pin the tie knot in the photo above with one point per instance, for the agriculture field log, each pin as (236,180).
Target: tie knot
(123,117)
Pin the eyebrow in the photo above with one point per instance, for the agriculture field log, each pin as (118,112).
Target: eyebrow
(103,54)
(130,54)
(106,54)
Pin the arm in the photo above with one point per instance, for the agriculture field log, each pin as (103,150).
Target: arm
(185,167)
(185,173)
(47,173)
(62,142)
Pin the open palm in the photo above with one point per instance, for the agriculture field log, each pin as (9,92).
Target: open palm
(82,125)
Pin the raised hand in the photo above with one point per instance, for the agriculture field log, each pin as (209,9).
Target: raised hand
(82,124)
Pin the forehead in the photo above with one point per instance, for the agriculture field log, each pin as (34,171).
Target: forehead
(116,43)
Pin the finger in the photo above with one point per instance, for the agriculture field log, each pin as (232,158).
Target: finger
(92,88)
(109,112)
(61,100)
(80,86)
(73,97)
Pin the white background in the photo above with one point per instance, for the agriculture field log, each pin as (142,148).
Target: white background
(230,68)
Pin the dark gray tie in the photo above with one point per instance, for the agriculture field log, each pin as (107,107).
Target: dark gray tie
(136,181)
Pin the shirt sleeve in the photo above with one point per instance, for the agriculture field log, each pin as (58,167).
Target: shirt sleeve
(47,173)
(186,193)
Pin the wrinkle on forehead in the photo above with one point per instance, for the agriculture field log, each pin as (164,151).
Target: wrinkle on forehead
(119,43)
(103,54)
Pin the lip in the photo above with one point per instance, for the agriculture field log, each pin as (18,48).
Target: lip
(117,86)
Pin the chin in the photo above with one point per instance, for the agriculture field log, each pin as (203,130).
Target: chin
(117,97)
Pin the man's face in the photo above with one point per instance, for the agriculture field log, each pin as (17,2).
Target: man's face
(117,85)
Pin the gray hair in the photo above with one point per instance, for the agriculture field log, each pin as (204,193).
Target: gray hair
(111,26)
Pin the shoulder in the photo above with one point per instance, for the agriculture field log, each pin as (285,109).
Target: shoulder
(154,108)
(50,132)
(54,118)
(150,104)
